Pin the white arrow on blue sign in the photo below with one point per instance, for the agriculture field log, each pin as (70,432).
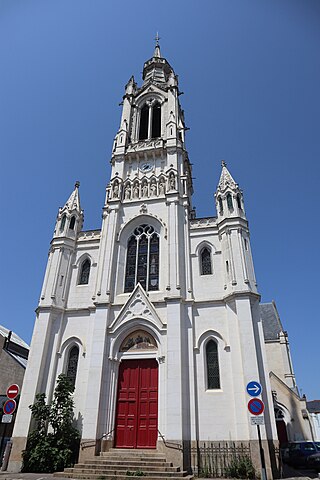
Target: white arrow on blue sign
(254,389)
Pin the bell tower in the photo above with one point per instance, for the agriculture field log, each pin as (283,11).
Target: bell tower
(150,178)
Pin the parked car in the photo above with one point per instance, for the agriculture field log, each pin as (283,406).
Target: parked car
(299,453)
(313,462)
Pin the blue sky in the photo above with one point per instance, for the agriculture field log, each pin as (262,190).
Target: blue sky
(250,73)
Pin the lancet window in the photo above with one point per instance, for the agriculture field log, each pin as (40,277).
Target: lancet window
(85,272)
(63,222)
(205,262)
(142,259)
(229,202)
(213,375)
(150,121)
(72,365)
(72,222)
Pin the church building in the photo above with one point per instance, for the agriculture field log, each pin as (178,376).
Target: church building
(155,316)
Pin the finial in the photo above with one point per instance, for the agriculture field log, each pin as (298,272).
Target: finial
(223,163)
(77,184)
(157,47)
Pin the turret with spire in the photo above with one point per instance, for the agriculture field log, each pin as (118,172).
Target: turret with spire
(229,196)
(234,234)
(70,216)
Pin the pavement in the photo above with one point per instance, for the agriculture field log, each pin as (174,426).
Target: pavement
(288,474)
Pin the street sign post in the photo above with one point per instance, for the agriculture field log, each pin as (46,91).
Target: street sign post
(254,389)
(9,406)
(256,406)
(13,391)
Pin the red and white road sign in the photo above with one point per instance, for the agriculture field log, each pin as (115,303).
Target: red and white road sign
(13,391)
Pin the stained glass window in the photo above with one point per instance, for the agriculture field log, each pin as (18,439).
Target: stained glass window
(73,365)
(85,272)
(142,259)
(213,375)
(206,267)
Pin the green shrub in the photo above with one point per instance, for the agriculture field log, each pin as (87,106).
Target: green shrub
(57,449)
(241,467)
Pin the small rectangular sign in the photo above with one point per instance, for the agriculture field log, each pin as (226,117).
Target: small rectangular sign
(6,418)
(258,420)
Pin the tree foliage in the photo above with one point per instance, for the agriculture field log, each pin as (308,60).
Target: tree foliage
(54,443)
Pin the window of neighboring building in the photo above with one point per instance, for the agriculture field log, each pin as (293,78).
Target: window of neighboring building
(72,365)
(213,375)
(85,272)
(206,267)
(142,259)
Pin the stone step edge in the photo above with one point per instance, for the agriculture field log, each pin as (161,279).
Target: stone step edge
(161,473)
(117,477)
(128,466)
(126,462)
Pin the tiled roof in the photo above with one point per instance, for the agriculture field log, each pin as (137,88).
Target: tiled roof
(14,337)
(313,406)
(271,322)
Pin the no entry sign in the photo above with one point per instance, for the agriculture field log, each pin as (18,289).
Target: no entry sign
(13,391)
(9,406)
(256,406)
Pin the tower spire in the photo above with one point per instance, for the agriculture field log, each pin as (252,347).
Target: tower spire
(157,47)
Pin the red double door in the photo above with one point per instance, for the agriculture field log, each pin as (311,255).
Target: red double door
(137,404)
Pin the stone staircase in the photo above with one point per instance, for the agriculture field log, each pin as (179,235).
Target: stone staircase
(121,464)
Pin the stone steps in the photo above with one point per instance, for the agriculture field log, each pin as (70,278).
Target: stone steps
(121,464)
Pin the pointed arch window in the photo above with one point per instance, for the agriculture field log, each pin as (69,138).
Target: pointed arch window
(150,121)
(213,374)
(229,202)
(142,259)
(144,123)
(85,272)
(205,265)
(220,205)
(239,202)
(72,222)
(72,365)
(156,121)
(63,222)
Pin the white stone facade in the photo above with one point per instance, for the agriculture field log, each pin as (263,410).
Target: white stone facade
(151,184)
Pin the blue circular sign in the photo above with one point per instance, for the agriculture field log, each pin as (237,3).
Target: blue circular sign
(254,389)
(9,406)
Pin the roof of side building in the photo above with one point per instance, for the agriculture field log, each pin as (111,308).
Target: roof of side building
(271,322)
(14,337)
